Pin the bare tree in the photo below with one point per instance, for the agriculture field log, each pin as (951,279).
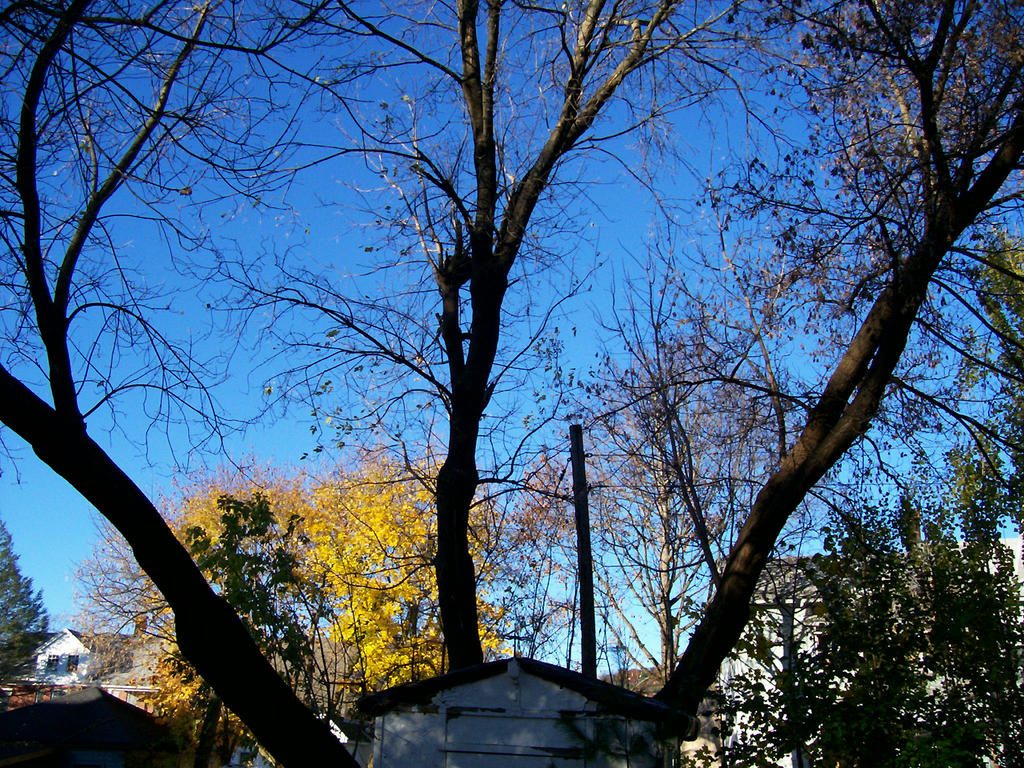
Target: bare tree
(109,104)
(924,131)
(687,420)
(495,108)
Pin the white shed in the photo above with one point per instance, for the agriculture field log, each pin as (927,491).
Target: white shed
(524,714)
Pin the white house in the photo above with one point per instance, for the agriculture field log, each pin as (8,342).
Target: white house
(520,713)
(63,659)
(67,661)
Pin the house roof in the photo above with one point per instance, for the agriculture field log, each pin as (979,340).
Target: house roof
(785,580)
(54,637)
(610,698)
(89,718)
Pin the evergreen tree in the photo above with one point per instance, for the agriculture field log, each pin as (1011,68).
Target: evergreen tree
(22,615)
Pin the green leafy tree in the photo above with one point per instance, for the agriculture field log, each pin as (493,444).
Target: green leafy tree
(253,561)
(22,615)
(909,654)
(256,567)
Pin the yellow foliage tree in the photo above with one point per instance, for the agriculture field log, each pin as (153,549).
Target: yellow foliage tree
(373,531)
(361,585)
(334,577)
(373,534)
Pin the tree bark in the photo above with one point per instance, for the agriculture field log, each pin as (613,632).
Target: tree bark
(207,732)
(456,578)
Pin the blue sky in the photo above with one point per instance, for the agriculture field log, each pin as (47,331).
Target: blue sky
(50,527)
(53,529)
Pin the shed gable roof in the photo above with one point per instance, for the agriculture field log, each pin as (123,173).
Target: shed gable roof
(609,698)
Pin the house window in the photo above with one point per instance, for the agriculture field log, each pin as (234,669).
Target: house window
(72,663)
(52,661)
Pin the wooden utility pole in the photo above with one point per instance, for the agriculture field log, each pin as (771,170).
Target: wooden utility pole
(588,630)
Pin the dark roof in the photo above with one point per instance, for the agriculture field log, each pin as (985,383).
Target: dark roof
(89,718)
(611,698)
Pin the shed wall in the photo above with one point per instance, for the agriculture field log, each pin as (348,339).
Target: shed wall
(511,720)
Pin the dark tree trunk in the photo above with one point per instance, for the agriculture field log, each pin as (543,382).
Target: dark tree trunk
(209,632)
(207,733)
(456,579)
(458,478)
